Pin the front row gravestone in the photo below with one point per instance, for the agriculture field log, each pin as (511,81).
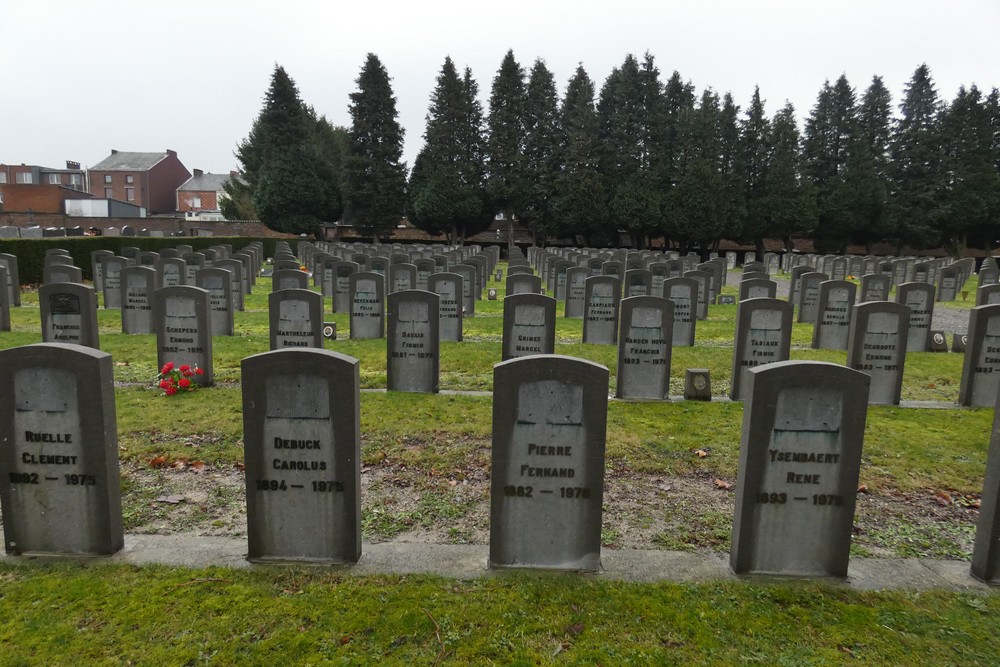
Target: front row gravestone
(301,425)
(800,456)
(549,430)
(986,550)
(61,492)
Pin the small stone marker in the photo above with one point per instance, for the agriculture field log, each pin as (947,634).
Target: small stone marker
(330,330)
(981,366)
(138,284)
(529,325)
(877,346)
(547,487)
(367,305)
(183,326)
(61,492)
(296,318)
(986,549)
(697,384)
(413,342)
(69,314)
(491,294)
(301,425)
(939,341)
(763,336)
(959,342)
(644,348)
(800,455)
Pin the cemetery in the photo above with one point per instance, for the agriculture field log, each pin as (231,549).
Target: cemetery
(616,420)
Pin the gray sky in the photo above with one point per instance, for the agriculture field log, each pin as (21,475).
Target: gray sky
(82,78)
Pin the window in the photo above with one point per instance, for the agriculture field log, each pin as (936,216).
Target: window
(108,193)
(196,201)
(130,194)
(55,179)
(129,179)
(3,176)
(107,178)
(22,177)
(76,180)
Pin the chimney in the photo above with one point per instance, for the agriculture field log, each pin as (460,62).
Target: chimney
(198,172)
(114,152)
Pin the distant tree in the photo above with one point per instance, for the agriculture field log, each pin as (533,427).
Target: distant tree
(789,201)
(541,153)
(869,167)
(237,200)
(579,209)
(678,104)
(374,177)
(447,193)
(917,201)
(506,138)
(754,159)
(329,142)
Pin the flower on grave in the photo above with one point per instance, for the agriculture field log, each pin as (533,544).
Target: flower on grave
(173,378)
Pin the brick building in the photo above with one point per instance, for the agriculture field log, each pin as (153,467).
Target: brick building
(26,187)
(201,193)
(149,180)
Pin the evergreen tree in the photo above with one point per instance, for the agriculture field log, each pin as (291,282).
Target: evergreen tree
(541,152)
(918,179)
(329,143)
(374,177)
(869,169)
(678,104)
(506,143)
(579,209)
(447,192)
(788,200)
(754,144)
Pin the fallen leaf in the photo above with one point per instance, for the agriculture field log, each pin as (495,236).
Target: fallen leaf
(345,640)
(158,461)
(172,500)
(942,498)
(845,649)
(197,467)
(930,385)
(723,484)
(701,453)
(239,466)
(863,488)
(179,464)
(574,629)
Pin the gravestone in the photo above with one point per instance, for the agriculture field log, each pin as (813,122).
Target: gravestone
(758,288)
(238,286)
(600,316)
(112,281)
(69,314)
(61,491)
(302,433)
(468,273)
(986,549)
(987,294)
(61,273)
(684,294)
(877,347)
(425,267)
(9,262)
(833,319)
(576,291)
(808,303)
(794,283)
(413,341)
(138,284)
(546,489)
(800,455)
(524,283)
(874,287)
(949,283)
(218,283)
(981,366)
(919,298)
(172,271)
(97,268)
(367,319)
(4,302)
(644,348)
(343,271)
(296,319)
(763,336)
(448,287)
(402,276)
(704,280)
(637,282)
(289,279)
(183,325)
(529,325)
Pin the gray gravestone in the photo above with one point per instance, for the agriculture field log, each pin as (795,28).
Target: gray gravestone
(523,283)
(763,336)
(949,282)
(877,347)
(529,325)
(644,348)
(874,287)
(758,288)
(301,425)
(183,325)
(448,287)
(697,384)
(402,276)
(919,298)
(981,366)
(172,271)
(239,286)
(138,284)
(69,314)
(800,455)
(794,283)
(546,491)
(367,319)
(296,319)
(61,492)
(9,262)
(61,273)
(704,280)
(4,302)
(987,294)
(289,279)
(600,317)
(833,318)
(219,285)
(684,294)
(986,550)
(113,281)
(97,268)
(425,267)
(808,296)
(576,291)
(637,282)
(413,341)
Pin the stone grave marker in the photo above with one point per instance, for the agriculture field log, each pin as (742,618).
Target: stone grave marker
(468,273)
(183,325)
(877,347)
(704,280)
(425,267)
(981,366)
(448,287)
(218,283)
(986,549)
(576,291)
(238,285)
(637,282)
(4,302)
(987,294)
(61,492)
(684,294)
(367,319)
(296,318)
(808,296)
(138,284)
(343,271)
(600,317)
(919,298)
(697,384)
(97,268)
(9,262)
(524,283)
(949,282)
(402,276)
(794,282)
(800,455)
(529,325)
(758,288)
(112,280)
(61,273)
(959,342)
(874,287)
(171,271)
(833,320)
(763,336)
(289,279)
(546,489)
(413,341)
(302,432)
(69,314)
(644,348)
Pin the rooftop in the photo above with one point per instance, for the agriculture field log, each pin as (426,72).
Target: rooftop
(123,161)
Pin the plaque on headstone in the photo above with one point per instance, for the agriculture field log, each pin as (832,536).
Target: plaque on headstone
(546,491)
(61,492)
(183,325)
(800,456)
(413,342)
(684,293)
(301,425)
(296,318)
(69,314)
(644,348)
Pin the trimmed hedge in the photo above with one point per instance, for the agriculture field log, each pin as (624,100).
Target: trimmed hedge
(30,253)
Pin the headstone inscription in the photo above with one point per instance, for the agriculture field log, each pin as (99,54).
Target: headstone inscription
(529,325)
(218,283)
(949,282)
(61,492)
(138,284)
(367,305)
(919,298)
(69,314)
(576,291)
(763,336)
(981,365)
(546,491)
(183,325)
(413,341)
(986,549)
(301,424)
(296,318)
(644,348)
(684,293)
(342,272)
(697,384)
(600,316)
(800,456)
(833,319)
(448,287)
(877,346)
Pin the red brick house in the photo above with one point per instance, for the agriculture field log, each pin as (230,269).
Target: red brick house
(201,193)
(149,180)
(40,189)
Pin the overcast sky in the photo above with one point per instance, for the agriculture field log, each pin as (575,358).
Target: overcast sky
(79,79)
